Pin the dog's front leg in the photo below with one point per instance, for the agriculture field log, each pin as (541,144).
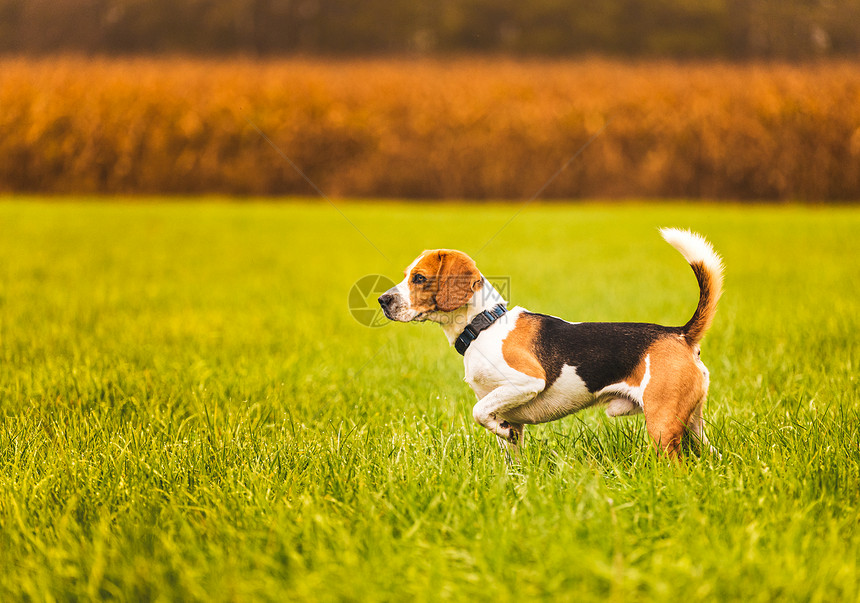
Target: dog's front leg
(489,413)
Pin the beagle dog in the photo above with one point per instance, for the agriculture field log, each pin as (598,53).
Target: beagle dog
(529,368)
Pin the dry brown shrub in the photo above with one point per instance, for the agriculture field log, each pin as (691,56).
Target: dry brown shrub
(470,128)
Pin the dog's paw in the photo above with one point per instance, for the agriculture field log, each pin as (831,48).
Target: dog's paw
(511,434)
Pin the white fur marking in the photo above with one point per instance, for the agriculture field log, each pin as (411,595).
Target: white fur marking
(694,247)
(624,390)
(401,308)
(622,407)
(566,395)
(484,361)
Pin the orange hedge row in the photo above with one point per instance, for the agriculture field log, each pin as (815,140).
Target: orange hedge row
(467,128)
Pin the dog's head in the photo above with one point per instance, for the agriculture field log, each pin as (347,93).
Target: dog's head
(438,281)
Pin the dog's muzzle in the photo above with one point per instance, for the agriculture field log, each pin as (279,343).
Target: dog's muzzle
(395,306)
(385,301)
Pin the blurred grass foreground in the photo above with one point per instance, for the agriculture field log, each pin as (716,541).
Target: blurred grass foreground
(457,128)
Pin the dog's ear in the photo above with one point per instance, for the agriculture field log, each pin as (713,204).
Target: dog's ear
(458,279)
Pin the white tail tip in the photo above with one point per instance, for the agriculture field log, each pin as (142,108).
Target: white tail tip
(694,247)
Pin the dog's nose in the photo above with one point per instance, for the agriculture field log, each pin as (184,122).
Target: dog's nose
(385,300)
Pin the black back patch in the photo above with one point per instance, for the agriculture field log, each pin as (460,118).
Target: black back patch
(602,352)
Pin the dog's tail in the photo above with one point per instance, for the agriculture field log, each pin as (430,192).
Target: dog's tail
(708,268)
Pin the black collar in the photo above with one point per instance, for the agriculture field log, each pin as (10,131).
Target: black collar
(478,324)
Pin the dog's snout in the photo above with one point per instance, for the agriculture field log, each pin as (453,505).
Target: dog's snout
(385,300)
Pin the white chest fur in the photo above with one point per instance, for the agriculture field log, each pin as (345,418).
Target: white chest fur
(484,361)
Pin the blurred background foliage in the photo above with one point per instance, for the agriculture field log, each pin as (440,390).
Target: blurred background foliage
(461,99)
(466,128)
(733,29)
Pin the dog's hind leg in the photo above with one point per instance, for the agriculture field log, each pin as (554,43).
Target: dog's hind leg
(674,394)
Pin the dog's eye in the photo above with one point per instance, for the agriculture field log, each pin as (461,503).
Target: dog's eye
(419,278)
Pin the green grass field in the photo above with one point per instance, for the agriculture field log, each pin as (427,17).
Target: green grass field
(189,411)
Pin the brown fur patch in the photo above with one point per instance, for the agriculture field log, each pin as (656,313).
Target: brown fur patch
(634,379)
(518,346)
(452,279)
(459,278)
(710,289)
(675,389)
(422,296)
